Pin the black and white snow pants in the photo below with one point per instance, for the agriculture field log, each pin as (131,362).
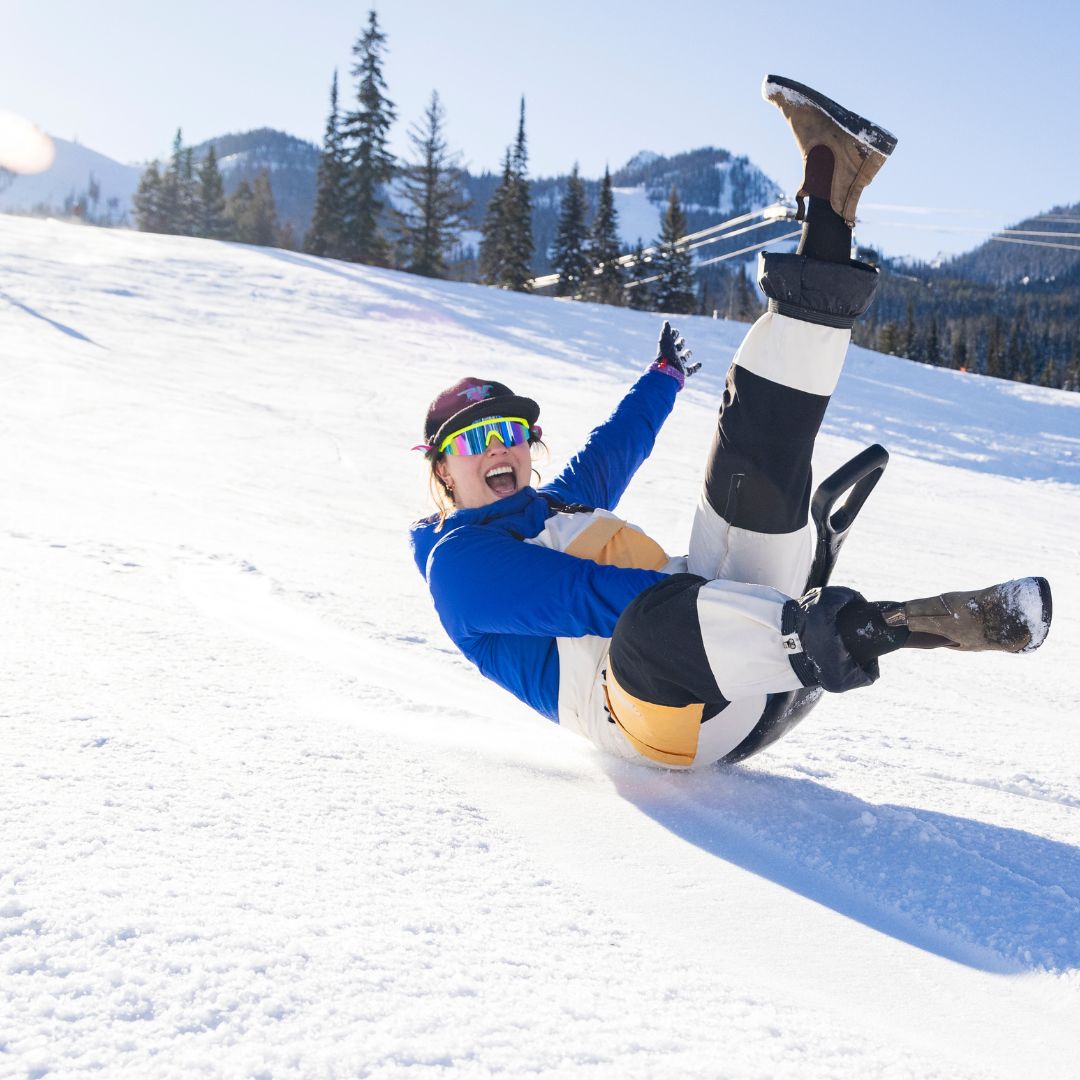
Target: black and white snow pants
(694,658)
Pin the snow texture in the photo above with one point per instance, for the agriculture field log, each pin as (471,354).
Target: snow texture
(258,818)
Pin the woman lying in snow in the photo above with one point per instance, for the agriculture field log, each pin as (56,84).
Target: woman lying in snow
(678,661)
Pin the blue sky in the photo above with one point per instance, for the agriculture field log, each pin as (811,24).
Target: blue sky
(983,96)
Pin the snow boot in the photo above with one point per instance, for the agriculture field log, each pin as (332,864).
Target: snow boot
(1012,617)
(842,151)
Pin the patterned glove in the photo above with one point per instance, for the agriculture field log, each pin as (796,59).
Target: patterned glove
(673,357)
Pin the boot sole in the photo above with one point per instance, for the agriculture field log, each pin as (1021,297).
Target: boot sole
(1047,602)
(858,127)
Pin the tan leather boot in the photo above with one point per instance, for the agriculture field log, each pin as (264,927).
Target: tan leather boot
(1011,617)
(842,152)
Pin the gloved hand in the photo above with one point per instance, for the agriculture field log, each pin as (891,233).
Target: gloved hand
(673,357)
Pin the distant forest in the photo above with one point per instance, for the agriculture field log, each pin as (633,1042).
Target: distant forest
(1010,308)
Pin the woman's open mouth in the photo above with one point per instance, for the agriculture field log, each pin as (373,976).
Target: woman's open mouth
(501,481)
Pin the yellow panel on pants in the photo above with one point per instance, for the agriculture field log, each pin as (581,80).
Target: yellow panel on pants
(659,732)
(664,733)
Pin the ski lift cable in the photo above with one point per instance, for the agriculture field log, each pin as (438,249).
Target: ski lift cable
(1039,232)
(751,247)
(1035,243)
(728,235)
(773,209)
(721,258)
(968,228)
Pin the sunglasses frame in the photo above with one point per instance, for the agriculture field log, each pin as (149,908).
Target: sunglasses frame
(443,446)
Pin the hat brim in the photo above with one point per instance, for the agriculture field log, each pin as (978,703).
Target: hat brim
(504,405)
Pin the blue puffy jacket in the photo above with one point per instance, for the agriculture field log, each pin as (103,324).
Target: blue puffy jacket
(504,602)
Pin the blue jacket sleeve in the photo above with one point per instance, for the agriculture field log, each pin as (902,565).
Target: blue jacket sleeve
(600,472)
(486,582)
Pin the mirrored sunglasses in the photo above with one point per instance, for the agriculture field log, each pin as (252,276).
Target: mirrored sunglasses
(475,439)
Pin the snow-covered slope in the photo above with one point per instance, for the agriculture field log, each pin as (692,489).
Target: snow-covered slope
(258,819)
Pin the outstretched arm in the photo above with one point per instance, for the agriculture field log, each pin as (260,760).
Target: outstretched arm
(600,472)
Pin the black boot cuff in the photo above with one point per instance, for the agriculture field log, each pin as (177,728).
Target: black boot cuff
(827,293)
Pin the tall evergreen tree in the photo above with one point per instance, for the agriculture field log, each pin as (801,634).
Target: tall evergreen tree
(172,198)
(640,293)
(909,346)
(932,352)
(604,283)
(326,234)
(365,134)
(211,201)
(960,359)
(568,257)
(506,246)
(746,304)
(519,238)
(252,213)
(190,210)
(147,202)
(493,233)
(264,219)
(994,361)
(675,289)
(888,338)
(433,223)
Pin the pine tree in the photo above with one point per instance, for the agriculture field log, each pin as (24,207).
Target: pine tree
(888,338)
(493,236)
(932,354)
(149,213)
(171,199)
(211,199)
(506,246)
(747,304)
(675,289)
(252,213)
(994,362)
(568,251)
(238,212)
(909,345)
(371,164)
(605,283)
(325,236)
(190,211)
(960,348)
(639,294)
(432,188)
(519,237)
(264,220)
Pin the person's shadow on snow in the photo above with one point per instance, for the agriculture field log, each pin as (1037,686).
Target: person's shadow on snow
(993,898)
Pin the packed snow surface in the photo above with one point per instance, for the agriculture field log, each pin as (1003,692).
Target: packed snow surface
(258,818)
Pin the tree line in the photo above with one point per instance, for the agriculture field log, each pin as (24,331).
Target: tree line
(420,230)
(1027,332)
(188,199)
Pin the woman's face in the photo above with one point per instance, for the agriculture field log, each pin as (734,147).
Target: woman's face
(481,479)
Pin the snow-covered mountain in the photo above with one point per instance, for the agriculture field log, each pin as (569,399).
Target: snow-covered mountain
(260,819)
(80,180)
